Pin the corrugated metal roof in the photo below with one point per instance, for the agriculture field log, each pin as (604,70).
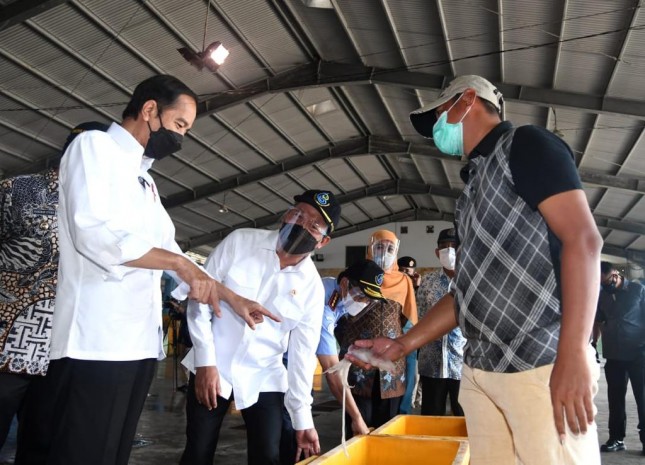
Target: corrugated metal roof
(589,53)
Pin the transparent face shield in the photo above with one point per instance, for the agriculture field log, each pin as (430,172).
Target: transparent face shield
(297,216)
(384,252)
(300,233)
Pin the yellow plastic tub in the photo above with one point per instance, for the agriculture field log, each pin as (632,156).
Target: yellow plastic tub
(421,425)
(307,461)
(392,450)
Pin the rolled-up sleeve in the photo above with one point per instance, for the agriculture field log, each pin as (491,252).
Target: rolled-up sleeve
(94,185)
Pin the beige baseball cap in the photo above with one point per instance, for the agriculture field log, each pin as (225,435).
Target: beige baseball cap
(424,118)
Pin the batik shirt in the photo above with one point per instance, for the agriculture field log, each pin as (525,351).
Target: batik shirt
(442,358)
(378,319)
(28,270)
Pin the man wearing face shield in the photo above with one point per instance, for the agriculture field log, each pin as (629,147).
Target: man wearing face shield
(440,361)
(355,289)
(621,318)
(525,287)
(116,240)
(230,362)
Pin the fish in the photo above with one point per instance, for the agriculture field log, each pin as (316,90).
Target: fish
(342,370)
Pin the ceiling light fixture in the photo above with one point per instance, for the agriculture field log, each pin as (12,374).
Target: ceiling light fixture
(321,108)
(211,58)
(327,4)
(223,208)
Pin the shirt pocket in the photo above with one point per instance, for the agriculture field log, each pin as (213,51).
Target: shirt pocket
(243,282)
(288,310)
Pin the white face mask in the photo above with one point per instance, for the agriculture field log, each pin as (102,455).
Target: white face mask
(447,258)
(353,307)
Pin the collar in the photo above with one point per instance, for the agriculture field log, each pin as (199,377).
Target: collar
(130,145)
(270,242)
(484,148)
(487,144)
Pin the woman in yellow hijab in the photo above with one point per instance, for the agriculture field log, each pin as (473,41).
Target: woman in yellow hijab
(397,286)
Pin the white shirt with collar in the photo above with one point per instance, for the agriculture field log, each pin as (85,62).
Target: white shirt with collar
(109,213)
(250,361)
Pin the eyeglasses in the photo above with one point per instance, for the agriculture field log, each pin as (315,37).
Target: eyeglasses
(296,216)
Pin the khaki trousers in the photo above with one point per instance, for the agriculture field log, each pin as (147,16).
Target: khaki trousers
(510,420)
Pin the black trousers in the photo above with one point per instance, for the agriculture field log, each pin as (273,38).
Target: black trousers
(26,396)
(263,428)
(435,392)
(617,373)
(96,409)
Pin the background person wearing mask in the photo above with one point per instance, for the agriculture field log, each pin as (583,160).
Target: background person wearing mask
(355,289)
(440,361)
(28,274)
(407,266)
(228,360)
(378,393)
(621,317)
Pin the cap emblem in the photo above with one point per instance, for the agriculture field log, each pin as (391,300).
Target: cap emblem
(379,279)
(322,199)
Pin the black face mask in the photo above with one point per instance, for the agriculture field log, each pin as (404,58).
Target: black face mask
(296,240)
(610,288)
(162,142)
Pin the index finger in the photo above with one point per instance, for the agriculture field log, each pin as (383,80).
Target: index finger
(213,300)
(259,309)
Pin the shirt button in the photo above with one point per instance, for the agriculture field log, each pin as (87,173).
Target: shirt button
(44,225)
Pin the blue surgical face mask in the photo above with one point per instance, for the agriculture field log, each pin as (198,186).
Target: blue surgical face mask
(449,137)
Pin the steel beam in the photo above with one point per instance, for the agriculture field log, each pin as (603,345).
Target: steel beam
(609,180)
(635,256)
(330,74)
(22,10)
(362,146)
(620,225)
(391,187)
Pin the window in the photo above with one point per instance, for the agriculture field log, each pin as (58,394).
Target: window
(354,253)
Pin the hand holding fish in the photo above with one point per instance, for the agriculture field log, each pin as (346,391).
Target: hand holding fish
(379,350)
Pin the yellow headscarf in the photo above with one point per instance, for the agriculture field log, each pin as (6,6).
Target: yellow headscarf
(396,286)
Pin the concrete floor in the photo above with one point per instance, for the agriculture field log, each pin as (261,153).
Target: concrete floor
(160,438)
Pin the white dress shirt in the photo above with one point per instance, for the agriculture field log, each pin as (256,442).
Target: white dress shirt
(109,214)
(250,362)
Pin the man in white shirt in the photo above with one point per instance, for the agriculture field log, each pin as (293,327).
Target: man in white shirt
(115,240)
(228,360)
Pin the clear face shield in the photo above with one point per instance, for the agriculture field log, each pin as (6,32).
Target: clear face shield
(300,232)
(384,252)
